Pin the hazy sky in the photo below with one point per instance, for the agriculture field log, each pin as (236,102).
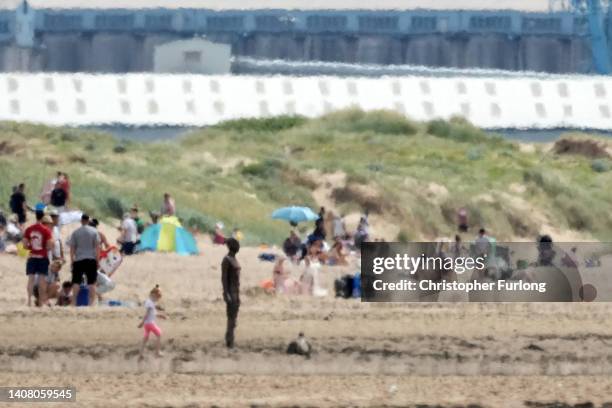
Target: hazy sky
(532,5)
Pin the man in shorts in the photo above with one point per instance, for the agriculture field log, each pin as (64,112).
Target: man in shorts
(38,239)
(84,256)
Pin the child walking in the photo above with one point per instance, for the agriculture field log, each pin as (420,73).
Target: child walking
(148,321)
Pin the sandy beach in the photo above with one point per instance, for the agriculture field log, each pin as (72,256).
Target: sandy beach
(442,354)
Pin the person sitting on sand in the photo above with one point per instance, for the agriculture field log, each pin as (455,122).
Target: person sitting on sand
(219,237)
(283,284)
(64,297)
(310,280)
(292,245)
(149,321)
(337,255)
(13,232)
(52,288)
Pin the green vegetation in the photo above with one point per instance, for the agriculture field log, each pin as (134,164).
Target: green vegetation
(415,175)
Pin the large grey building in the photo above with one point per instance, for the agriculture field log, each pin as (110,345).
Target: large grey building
(121,35)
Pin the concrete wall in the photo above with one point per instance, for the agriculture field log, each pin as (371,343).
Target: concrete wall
(536,102)
(117,52)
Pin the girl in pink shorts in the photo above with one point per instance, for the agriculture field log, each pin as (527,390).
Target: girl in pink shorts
(148,321)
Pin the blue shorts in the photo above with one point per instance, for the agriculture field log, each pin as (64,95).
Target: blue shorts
(37,266)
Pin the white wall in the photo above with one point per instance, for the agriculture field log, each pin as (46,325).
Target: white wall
(196,100)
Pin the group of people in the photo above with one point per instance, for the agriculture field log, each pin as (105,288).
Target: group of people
(311,253)
(47,257)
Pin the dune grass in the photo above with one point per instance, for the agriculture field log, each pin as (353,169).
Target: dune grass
(239,171)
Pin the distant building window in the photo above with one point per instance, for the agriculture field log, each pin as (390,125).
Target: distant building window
(158,21)
(563,90)
(225,23)
(378,23)
(490,23)
(192,57)
(4,26)
(461,88)
(425,89)
(274,23)
(600,90)
(536,89)
(52,106)
(396,88)
(419,23)
(542,24)
(81,108)
(113,22)
(540,109)
(12,84)
(326,23)
(290,108)
(490,88)
(62,21)
(14,106)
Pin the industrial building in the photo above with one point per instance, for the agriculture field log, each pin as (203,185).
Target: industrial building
(121,36)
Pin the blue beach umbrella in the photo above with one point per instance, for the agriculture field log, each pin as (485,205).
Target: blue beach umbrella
(294,214)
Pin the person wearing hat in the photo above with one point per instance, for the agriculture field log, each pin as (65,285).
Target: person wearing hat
(38,239)
(50,289)
(84,256)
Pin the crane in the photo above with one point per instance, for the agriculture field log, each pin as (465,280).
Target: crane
(594,11)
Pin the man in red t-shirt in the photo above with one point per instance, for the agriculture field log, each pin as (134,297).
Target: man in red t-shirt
(39,240)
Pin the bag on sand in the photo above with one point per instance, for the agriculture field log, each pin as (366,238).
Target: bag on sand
(83,296)
(344,286)
(104,284)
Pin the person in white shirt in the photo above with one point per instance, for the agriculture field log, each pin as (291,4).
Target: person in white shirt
(482,243)
(57,253)
(129,235)
(149,321)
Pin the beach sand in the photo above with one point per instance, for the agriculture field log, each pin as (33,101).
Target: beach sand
(438,354)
